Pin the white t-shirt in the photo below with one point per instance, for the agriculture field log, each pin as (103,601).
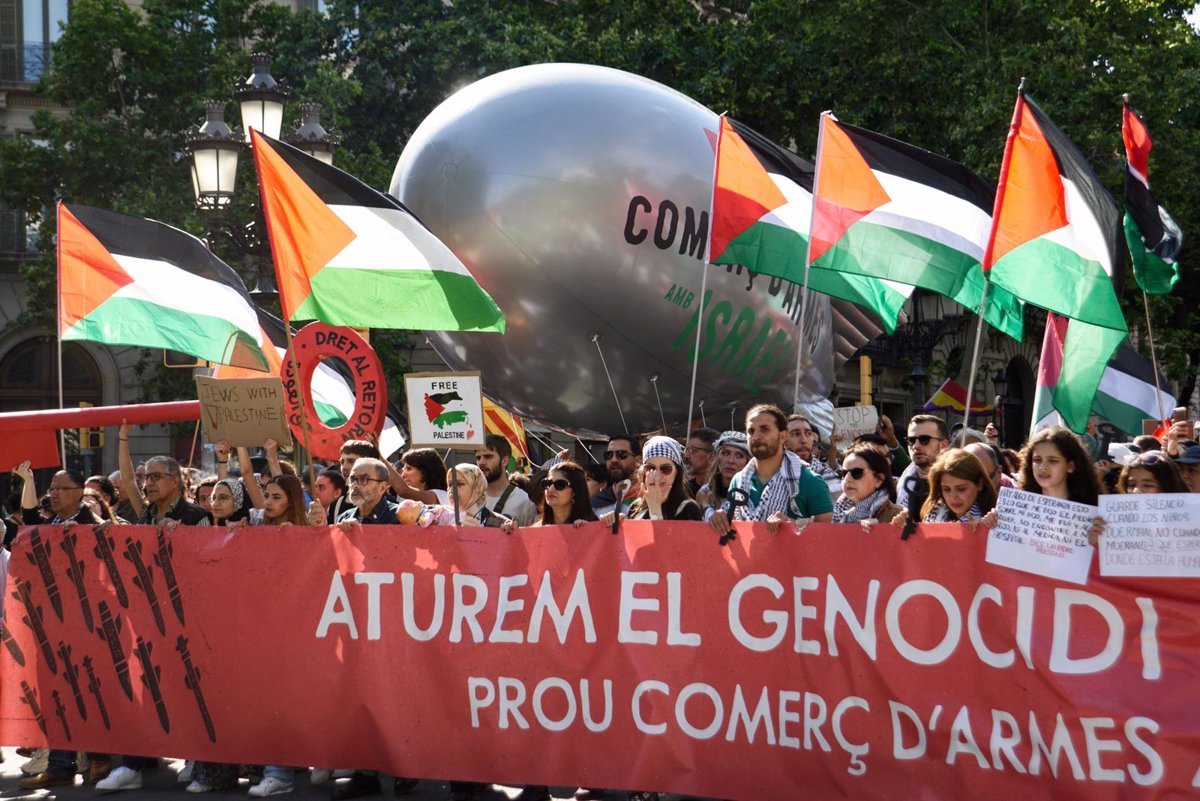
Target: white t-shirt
(517,506)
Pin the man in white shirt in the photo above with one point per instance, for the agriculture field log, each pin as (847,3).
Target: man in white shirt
(503,497)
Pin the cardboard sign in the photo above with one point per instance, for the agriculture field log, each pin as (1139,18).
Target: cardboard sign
(445,410)
(244,411)
(1042,535)
(1151,535)
(854,421)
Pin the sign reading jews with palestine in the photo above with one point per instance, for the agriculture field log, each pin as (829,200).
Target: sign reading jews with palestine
(653,659)
(445,410)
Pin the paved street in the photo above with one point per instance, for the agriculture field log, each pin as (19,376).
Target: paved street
(162,785)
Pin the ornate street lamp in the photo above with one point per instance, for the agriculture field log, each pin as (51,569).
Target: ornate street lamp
(311,137)
(261,98)
(214,150)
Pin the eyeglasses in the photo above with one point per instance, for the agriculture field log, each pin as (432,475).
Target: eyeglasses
(364,479)
(63,489)
(665,469)
(855,473)
(694,449)
(559,484)
(618,455)
(157,476)
(1150,457)
(924,439)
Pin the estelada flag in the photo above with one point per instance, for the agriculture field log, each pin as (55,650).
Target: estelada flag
(1056,238)
(761,213)
(887,209)
(126,280)
(505,424)
(347,254)
(1154,238)
(952,396)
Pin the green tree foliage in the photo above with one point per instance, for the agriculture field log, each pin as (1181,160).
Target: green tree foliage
(940,74)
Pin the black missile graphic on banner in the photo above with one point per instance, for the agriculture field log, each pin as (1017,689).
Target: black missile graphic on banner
(104,550)
(191,679)
(61,711)
(33,618)
(11,645)
(29,698)
(163,559)
(144,581)
(39,556)
(75,574)
(71,674)
(94,689)
(110,632)
(151,675)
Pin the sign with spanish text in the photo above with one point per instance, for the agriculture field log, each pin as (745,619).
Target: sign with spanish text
(1042,535)
(655,658)
(854,421)
(1151,535)
(445,410)
(244,411)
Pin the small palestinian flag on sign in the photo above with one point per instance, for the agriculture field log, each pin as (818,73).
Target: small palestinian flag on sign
(347,254)
(886,209)
(761,212)
(1056,236)
(132,281)
(1154,238)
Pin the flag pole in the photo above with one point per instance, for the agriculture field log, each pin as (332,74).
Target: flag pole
(997,205)
(807,262)
(308,457)
(712,203)
(1162,414)
(62,437)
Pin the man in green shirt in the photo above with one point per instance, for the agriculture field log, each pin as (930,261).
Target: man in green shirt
(777,484)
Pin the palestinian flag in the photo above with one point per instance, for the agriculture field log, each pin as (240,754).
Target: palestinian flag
(761,213)
(889,210)
(951,396)
(332,386)
(1056,234)
(349,255)
(132,281)
(508,425)
(1075,375)
(1154,238)
(1127,394)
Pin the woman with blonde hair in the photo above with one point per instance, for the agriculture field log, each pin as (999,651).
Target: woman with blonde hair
(960,491)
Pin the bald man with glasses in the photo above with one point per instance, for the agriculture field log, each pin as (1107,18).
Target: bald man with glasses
(368,487)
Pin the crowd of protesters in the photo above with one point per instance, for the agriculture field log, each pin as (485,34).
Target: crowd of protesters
(775,471)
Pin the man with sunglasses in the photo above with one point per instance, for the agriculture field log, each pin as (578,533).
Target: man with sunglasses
(927,437)
(368,488)
(622,457)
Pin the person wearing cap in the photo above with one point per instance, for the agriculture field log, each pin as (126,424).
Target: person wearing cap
(732,455)
(777,484)
(664,493)
(1189,466)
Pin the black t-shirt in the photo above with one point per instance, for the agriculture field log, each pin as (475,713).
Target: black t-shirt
(688,510)
(189,514)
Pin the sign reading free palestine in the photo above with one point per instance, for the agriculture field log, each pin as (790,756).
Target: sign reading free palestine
(445,410)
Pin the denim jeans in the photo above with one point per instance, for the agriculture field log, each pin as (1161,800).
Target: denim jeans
(284,774)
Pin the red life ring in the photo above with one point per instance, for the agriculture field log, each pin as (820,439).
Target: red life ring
(311,344)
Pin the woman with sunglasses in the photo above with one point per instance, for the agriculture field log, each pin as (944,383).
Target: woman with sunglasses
(732,455)
(566,500)
(664,488)
(868,489)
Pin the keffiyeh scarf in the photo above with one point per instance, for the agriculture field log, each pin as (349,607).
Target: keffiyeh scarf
(779,495)
(942,514)
(847,511)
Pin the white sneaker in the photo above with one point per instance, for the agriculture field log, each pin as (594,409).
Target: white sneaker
(198,786)
(320,775)
(121,778)
(184,776)
(37,763)
(271,786)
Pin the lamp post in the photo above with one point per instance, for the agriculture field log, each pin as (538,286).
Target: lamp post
(311,137)
(214,150)
(261,98)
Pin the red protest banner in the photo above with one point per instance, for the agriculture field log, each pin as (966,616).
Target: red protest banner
(843,663)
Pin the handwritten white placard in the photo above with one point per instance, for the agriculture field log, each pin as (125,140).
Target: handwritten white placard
(853,421)
(1041,535)
(1151,535)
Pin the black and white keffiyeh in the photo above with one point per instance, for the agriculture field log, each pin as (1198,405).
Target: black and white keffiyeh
(848,511)
(779,494)
(942,514)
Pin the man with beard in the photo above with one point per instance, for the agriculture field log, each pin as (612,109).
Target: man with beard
(503,497)
(927,436)
(368,483)
(802,440)
(777,484)
(701,458)
(622,457)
